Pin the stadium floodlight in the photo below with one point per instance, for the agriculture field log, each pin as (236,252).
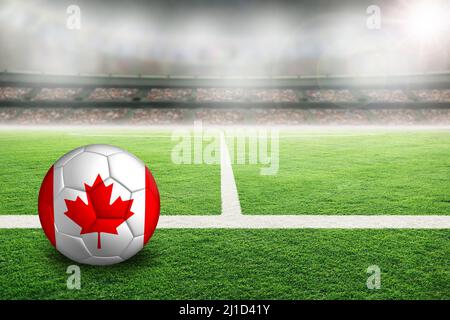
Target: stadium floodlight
(427,19)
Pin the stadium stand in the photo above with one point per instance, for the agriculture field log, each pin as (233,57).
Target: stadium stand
(112,94)
(13,93)
(154,116)
(56,94)
(331,96)
(229,95)
(168,94)
(432,95)
(38,100)
(386,95)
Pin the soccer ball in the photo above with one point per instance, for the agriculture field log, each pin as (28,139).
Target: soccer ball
(99,205)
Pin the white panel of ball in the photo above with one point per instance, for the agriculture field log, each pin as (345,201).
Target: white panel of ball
(128,170)
(83,169)
(103,149)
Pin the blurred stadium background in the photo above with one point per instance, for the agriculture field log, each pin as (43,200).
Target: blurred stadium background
(249,62)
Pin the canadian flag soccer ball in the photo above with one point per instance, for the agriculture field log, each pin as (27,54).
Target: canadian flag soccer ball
(98,205)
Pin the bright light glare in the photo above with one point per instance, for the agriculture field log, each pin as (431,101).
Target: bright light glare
(427,20)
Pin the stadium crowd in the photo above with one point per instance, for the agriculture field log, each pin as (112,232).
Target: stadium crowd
(56,94)
(205,111)
(13,93)
(222,116)
(178,95)
(330,95)
(380,95)
(238,95)
(112,94)
(430,95)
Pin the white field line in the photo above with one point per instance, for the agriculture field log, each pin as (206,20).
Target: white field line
(231,206)
(307,221)
(306,135)
(269,222)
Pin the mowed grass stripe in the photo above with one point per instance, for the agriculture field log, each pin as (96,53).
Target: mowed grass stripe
(26,156)
(391,173)
(239,264)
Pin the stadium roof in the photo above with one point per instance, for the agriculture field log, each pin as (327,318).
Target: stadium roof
(429,80)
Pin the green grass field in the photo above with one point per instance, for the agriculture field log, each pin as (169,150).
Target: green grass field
(239,264)
(339,172)
(329,172)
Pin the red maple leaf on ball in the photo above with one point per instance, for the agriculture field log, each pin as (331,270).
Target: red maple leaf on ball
(98,215)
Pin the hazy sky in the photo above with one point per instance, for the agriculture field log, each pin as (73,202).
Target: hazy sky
(211,36)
